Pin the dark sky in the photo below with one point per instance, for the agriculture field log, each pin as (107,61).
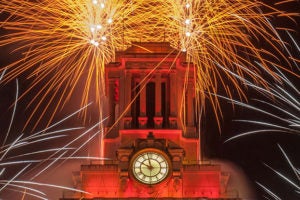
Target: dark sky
(251,152)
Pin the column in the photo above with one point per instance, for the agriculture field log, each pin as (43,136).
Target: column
(190,116)
(143,117)
(173,100)
(158,94)
(158,119)
(190,105)
(111,102)
(127,100)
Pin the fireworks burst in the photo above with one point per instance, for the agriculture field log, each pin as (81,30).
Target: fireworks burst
(277,111)
(69,42)
(282,107)
(24,158)
(287,180)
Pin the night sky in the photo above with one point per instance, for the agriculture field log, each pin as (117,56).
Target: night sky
(253,152)
(248,152)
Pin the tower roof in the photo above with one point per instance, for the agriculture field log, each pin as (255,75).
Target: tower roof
(144,49)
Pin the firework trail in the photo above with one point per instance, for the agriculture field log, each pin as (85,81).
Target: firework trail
(17,159)
(282,107)
(65,45)
(35,154)
(279,101)
(25,156)
(287,180)
(279,111)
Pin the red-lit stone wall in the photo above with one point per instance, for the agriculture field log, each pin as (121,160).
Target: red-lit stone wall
(128,124)
(196,181)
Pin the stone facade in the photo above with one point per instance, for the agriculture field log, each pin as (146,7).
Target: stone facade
(151,94)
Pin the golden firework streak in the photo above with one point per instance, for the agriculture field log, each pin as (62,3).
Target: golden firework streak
(68,43)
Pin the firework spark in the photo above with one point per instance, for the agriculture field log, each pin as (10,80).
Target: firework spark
(280,108)
(280,103)
(69,42)
(27,155)
(288,180)
(14,165)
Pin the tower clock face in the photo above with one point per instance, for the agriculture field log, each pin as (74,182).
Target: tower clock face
(150,166)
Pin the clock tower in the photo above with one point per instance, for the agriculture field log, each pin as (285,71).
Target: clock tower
(152,139)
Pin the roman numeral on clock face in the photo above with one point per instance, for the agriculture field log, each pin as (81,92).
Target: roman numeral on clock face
(150,167)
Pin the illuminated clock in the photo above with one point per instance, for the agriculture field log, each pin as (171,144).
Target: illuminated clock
(150,166)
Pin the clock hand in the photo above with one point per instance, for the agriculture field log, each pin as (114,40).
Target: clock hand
(150,177)
(149,160)
(146,165)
